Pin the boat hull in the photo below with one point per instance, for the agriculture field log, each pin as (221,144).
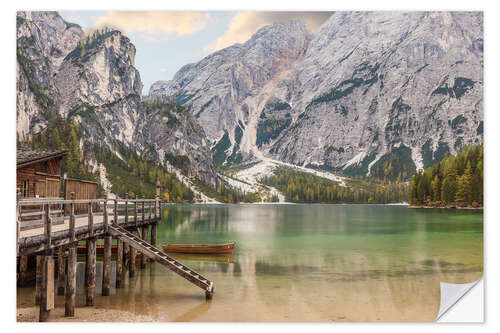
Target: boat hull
(200,248)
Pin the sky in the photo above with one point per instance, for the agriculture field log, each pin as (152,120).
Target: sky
(167,40)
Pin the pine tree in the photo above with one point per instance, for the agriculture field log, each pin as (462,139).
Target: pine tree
(436,189)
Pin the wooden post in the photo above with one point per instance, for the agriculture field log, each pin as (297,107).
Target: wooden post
(135,211)
(143,215)
(61,272)
(91,271)
(156,210)
(38,279)
(23,269)
(115,213)
(153,233)
(150,207)
(18,219)
(131,267)
(106,276)
(126,251)
(157,199)
(144,238)
(69,307)
(47,288)
(91,220)
(105,216)
(48,227)
(119,263)
(72,218)
(126,208)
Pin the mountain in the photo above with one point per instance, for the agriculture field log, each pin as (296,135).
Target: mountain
(43,41)
(225,89)
(377,93)
(91,80)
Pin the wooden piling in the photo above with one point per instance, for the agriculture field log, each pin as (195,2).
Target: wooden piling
(48,227)
(18,219)
(119,263)
(135,211)
(72,218)
(157,199)
(23,270)
(91,271)
(153,233)
(47,288)
(61,271)
(38,278)
(126,208)
(144,238)
(115,212)
(106,276)
(69,306)
(131,266)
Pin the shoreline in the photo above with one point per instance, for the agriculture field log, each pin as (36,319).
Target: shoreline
(82,314)
(448,207)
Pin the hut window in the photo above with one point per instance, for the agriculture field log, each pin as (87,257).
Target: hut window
(25,188)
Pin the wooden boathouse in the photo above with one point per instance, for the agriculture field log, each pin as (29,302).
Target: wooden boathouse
(50,229)
(38,172)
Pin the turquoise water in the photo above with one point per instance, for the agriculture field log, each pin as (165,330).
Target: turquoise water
(309,263)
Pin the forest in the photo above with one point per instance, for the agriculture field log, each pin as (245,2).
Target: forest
(129,173)
(227,194)
(455,181)
(59,135)
(132,174)
(301,187)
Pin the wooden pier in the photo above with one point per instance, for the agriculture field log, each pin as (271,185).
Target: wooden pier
(49,229)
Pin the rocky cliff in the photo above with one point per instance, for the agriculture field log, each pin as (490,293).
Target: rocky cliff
(43,40)
(225,89)
(100,88)
(372,84)
(366,92)
(92,80)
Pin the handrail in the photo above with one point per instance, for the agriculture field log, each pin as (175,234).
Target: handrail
(35,213)
(45,201)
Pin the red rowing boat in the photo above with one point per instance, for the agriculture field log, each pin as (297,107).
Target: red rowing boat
(226,248)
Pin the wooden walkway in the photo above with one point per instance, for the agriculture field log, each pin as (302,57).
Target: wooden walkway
(50,228)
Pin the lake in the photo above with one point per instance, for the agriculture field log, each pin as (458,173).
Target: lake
(306,263)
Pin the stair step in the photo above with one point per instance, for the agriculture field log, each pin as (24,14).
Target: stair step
(163,258)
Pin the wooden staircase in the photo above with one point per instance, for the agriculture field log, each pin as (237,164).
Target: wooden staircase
(172,264)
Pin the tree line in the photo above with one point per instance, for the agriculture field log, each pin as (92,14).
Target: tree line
(59,135)
(456,180)
(227,194)
(130,174)
(301,187)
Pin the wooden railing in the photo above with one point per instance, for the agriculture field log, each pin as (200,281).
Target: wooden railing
(48,212)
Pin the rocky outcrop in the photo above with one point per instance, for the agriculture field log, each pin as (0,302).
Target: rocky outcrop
(373,83)
(93,81)
(101,89)
(225,89)
(169,134)
(367,87)
(43,40)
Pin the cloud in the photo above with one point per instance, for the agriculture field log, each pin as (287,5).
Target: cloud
(164,23)
(244,24)
(163,70)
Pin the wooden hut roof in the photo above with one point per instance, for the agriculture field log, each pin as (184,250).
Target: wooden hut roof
(27,155)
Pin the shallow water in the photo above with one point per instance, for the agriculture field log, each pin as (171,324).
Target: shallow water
(306,263)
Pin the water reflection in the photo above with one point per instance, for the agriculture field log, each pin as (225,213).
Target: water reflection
(308,263)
